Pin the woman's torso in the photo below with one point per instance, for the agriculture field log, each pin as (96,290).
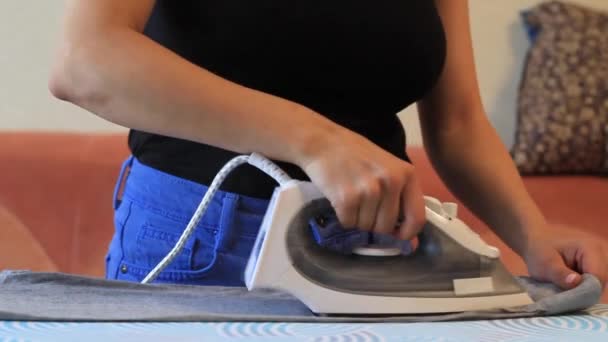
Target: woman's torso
(356,62)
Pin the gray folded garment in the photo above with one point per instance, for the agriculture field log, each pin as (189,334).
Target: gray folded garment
(31,296)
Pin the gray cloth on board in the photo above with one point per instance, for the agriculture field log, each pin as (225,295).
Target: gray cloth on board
(32,296)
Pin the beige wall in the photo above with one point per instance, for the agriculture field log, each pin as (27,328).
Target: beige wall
(500,45)
(28,32)
(29,29)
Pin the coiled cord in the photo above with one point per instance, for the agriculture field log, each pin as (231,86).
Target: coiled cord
(255,159)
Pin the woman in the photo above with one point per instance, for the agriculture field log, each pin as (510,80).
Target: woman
(315,85)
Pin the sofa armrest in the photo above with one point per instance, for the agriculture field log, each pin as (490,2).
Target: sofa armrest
(20,250)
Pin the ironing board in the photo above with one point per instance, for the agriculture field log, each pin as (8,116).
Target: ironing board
(590,326)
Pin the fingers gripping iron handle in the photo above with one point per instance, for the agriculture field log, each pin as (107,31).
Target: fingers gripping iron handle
(254,159)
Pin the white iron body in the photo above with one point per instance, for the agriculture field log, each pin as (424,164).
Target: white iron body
(271,267)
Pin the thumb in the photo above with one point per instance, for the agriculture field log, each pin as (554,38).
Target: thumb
(562,276)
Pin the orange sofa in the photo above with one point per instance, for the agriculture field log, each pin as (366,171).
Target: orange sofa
(56,191)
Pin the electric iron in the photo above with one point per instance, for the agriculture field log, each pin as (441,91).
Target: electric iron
(452,269)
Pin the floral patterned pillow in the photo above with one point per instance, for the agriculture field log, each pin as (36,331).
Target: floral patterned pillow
(562,108)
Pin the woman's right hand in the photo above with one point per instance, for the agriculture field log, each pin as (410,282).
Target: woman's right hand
(369,188)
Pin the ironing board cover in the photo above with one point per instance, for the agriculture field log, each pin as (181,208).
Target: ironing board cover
(589,325)
(55,296)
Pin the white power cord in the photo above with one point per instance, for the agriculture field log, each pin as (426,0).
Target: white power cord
(254,159)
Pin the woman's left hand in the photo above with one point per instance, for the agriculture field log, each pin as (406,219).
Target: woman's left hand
(560,255)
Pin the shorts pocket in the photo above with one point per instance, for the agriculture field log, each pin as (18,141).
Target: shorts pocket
(154,243)
(149,235)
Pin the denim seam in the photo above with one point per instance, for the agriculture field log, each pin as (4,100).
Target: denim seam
(148,232)
(214,229)
(164,275)
(250,214)
(122,177)
(122,238)
(188,249)
(226,222)
(177,218)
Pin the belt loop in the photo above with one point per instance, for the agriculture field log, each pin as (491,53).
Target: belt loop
(227,225)
(121,177)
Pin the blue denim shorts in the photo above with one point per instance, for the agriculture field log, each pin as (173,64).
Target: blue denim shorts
(153,211)
(155,208)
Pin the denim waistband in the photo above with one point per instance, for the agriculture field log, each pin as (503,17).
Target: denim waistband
(167,193)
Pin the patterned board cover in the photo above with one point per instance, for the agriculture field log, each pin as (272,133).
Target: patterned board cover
(592,326)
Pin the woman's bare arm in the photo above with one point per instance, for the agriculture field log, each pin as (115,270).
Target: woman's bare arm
(464,147)
(108,67)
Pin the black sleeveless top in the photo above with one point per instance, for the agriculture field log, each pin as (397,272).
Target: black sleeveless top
(356,62)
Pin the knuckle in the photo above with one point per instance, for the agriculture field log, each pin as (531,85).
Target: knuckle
(408,173)
(390,177)
(384,173)
(347,198)
(373,188)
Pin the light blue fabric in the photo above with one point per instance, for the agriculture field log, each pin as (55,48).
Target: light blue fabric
(54,296)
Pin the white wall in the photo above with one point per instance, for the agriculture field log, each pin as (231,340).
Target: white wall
(28,33)
(29,30)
